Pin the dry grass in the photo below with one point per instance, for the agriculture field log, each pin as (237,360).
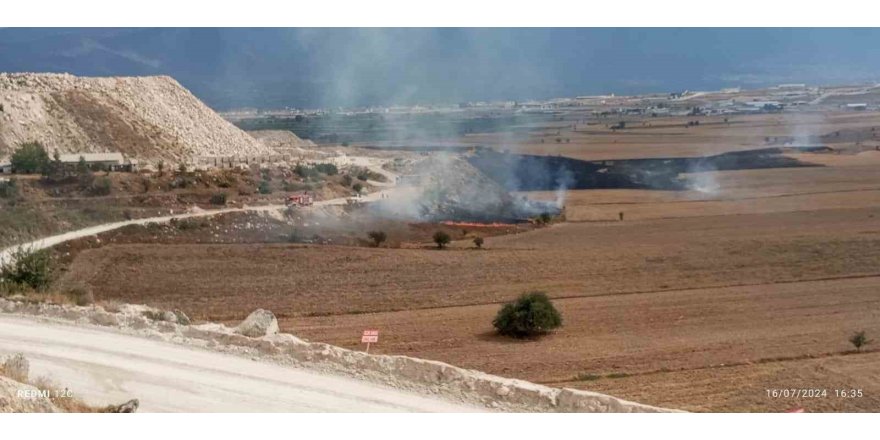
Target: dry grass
(658,339)
(697,301)
(668,136)
(568,260)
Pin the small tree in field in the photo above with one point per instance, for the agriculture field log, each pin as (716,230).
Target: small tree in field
(218,199)
(378,237)
(478,242)
(442,239)
(859,340)
(545,218)
(531,314)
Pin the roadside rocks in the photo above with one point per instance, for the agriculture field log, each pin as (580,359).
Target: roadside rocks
(11,402)
(18,395)
(176,317)
(181,318)
(258,324)
(101,317)
(128,407)
(258,337)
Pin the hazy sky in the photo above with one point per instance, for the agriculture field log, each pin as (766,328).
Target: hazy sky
(353,67)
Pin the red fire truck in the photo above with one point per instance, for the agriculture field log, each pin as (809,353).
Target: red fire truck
(304,199)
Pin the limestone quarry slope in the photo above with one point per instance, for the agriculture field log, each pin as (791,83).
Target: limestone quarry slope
(143,117)
(281,140)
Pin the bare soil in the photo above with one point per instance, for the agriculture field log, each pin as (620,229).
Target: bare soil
(715,349)
(696,300)
(671,137)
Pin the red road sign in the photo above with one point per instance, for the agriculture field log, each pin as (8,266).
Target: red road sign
(370,336)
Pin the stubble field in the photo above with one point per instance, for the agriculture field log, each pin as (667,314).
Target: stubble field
(700,301)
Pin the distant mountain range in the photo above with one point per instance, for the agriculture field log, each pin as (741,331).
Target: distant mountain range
(272,68)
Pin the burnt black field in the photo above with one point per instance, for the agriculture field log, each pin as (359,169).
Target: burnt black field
(398,128)
(518,172)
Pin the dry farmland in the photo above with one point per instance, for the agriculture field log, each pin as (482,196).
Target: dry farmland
(671,137)
(700,301)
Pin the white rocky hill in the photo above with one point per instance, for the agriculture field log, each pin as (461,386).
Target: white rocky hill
(281,140)
(143,117)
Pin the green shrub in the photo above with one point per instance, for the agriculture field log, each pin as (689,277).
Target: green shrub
(441,239)
(218,199)
(30,157)
(530,315)
(364,174)
(544,219)
(55,171)
(187,224)
(357,187)
(101,187)
(179,182)
(28,267)
(478,242)
(327,168)
(297,186)
(859,340)
(307,172)
(378,237)
(587,376)
(9,189)
(264,187)
(84,174)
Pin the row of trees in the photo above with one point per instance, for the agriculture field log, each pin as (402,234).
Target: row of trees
(441,239)
(32,158)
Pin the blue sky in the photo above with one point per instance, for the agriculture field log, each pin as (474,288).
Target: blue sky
(353,67)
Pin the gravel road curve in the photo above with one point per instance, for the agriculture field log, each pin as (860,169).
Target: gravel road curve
(104,367)
(47,242)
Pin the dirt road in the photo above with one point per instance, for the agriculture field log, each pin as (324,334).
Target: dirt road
(48,242)
(104,367)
